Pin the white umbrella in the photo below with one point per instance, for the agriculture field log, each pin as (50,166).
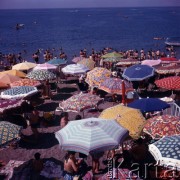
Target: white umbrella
(91,135)
(45,66)
(75,69)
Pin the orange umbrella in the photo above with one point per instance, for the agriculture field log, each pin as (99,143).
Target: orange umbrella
(3,85)
(15,72)
(7,78)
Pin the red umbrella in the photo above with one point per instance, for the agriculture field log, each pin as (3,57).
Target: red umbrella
(168,59)
(171,83)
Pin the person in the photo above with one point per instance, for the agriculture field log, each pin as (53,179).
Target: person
(37,166)
(34,122)
(71,166)
(78,117)
(95,161)
(64,119)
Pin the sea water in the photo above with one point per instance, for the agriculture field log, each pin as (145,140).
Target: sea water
(74,29)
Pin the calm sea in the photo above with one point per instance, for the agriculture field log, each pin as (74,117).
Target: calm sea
(76,29)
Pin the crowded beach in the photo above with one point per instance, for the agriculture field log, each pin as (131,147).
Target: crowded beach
(107,114)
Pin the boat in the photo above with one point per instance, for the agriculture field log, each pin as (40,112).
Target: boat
(173,41)
(19,26)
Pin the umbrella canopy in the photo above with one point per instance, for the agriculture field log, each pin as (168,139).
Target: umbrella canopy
(87,62)
(9,104)
(8,79)
(149,104)
(114,86)
(3,85)
(57,62)
(80,102)
(97,76)
(25,82)
(75,69)
(167,151)
(138,72)
(150,62)
(77,59)
(18,92)
(41,75)
(127,62)
(24,66)
(45,66)
(171,83)
(112,57)
(129,118)
(168,68)
(164,125)
(8,132)
(91,135)
(170,59)
(14,72)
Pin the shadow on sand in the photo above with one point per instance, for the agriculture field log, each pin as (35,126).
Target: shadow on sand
(67,90)
(48,107)
(61,97)
(45,141)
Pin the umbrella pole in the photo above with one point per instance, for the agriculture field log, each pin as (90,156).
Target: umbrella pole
(123,93)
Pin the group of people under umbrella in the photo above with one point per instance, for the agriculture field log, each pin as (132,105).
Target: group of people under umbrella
(115,124)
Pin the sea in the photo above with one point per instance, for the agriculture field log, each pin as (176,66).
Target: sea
(71,30)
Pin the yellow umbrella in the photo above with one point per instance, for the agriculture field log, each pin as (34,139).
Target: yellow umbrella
(97,76)
(7,78)
(14,72)
(87,62)
(130,118)
(24,66)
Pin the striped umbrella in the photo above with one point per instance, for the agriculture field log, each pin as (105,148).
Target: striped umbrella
(75,69)
(18,92)
(87,62)
(112,57)
(171,83)
(41,75)
(114,86)
(91,135)
(97,76)
(8,132)
(167,151)
(45,66)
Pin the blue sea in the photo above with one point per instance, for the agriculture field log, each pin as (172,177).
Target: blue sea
(76,29)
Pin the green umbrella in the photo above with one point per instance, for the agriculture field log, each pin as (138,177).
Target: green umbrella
(111,57)
(8,132)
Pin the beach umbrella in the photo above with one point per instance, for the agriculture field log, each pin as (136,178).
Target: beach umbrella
(130,118)
(75,69)
(138,72)
(14,72)
(97,76)
(57,62)
(151,62)
(80,102)
(45,66)
(166,151)
(87,62)
(128,62)
(149,104)
(24,66)
(8,79)
(18,92)
(3,85)
(8,132)
(170,83)
(172,68)
(25,82)
(170,59)
(7,104)
(91,135)
(165,125)
(112,57)
(114,86)
(41,75)
(77,59)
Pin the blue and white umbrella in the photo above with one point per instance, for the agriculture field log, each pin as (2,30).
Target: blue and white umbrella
(57,62)
(18,92)
(149,104)
(91,135)
(138,72)
(167,151)
(75,69)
